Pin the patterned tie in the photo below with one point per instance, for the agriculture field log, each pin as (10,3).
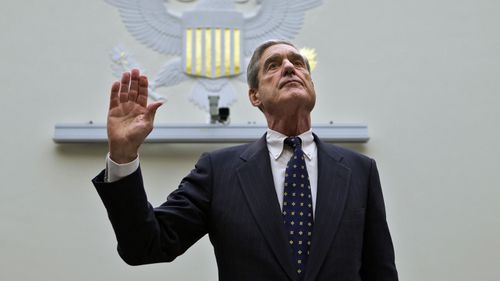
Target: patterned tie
(297,205)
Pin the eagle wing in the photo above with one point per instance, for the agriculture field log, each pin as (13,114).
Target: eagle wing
(152,24)
(170,74)
(275,19)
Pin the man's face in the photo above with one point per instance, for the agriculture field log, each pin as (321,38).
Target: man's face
(285,84)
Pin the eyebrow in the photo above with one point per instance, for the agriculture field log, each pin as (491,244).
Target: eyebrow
(294,56)
(290,55)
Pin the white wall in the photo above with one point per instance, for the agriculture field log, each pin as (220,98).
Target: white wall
(424,75)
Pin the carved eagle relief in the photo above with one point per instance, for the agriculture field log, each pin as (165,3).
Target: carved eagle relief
(211,40)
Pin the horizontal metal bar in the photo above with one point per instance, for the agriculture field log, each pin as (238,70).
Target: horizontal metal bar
(206,133)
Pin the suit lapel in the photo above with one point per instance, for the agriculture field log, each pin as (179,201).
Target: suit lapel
(333,182)
(256,181)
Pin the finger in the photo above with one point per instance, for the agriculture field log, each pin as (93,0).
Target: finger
(134,85)
(124,87)
(152,107)
(114,99)
(142,99)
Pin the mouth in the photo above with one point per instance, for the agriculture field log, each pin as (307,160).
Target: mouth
(291,81)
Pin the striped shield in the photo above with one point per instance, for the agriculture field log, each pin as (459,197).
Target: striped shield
(212,50)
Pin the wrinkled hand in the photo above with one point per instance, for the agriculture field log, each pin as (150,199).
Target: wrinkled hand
(130,118)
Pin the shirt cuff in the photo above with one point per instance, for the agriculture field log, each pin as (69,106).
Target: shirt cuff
(115,171)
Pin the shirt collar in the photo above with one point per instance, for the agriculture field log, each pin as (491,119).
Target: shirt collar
(275,143)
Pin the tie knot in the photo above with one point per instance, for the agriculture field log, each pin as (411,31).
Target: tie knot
(293,142)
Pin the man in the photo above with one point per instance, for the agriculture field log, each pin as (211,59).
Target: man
(286,207)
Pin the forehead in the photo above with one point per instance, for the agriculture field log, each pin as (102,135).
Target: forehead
(279,50)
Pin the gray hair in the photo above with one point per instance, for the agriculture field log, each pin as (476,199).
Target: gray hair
(253,65)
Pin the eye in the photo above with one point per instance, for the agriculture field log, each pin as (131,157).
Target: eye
(272,65)
(299,62)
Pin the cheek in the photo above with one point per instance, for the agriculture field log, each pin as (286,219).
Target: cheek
(270,84)
(271,79)
(307,78)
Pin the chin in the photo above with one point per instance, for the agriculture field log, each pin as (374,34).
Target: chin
(301,95)
(294,91)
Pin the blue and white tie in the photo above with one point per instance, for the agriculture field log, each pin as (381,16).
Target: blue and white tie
(297,206)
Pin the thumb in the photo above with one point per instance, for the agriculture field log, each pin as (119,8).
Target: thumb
(152,107)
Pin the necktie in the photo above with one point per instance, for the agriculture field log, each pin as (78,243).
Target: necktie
(297,205)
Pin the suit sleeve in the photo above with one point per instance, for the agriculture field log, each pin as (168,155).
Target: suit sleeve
(378,250)
(150,235)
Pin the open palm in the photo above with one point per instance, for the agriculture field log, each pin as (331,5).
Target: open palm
(130,118)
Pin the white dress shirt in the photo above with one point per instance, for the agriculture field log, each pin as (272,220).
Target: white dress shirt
(279,156)
(115,171)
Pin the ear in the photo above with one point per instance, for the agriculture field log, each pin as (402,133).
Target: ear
(254,97)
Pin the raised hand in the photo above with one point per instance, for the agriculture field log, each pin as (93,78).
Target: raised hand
(130,118)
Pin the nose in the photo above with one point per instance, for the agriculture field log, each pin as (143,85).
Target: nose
(288,67)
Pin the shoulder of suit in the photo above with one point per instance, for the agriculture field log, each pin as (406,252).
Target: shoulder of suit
(358,163)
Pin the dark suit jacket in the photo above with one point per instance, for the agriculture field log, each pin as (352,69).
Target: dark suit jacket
(230,195)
